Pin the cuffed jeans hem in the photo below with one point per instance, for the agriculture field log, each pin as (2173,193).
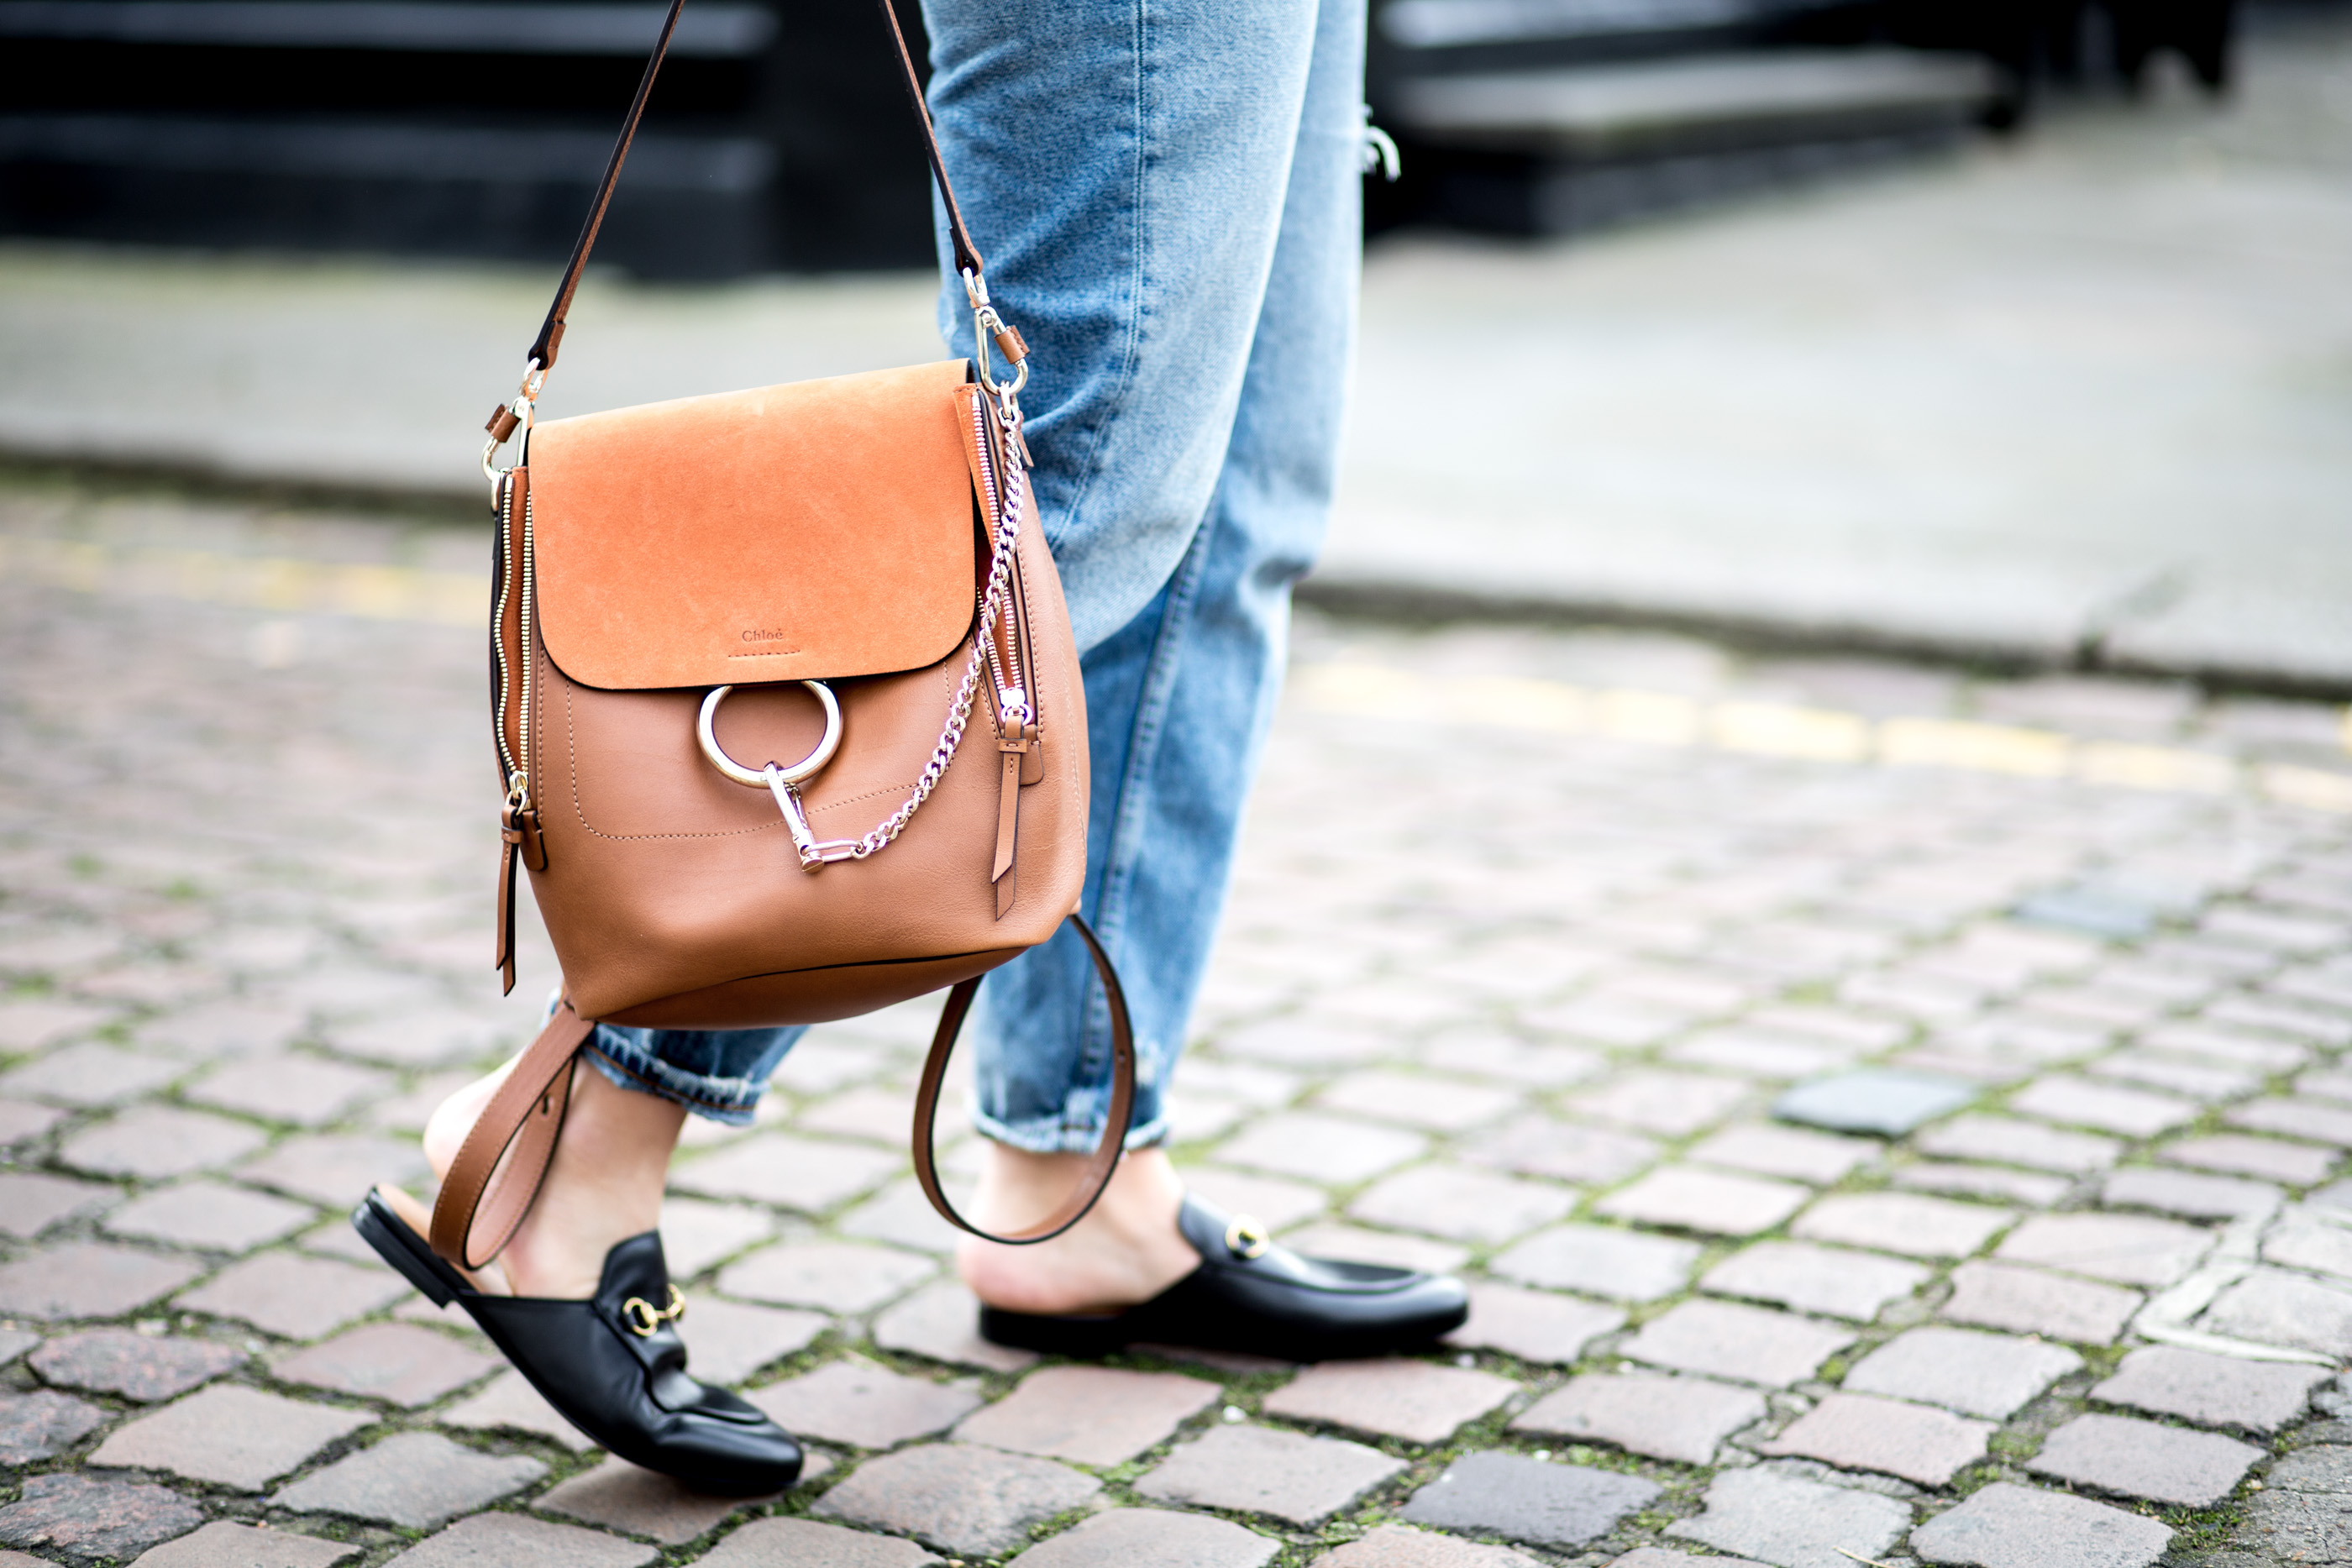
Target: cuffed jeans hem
(1052,1137)
(631,1066)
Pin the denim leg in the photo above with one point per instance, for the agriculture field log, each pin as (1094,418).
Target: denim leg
(1168,203)
(714,1072)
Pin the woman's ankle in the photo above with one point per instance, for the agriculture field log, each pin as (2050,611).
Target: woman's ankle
(1126,1251)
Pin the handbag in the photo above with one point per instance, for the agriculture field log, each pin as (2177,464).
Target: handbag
(788,716)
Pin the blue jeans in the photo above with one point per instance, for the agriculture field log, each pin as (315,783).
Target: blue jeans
(1167,201)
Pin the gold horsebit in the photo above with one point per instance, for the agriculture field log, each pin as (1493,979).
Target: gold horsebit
(643,1318)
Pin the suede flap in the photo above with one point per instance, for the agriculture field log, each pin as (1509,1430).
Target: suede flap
(816,530)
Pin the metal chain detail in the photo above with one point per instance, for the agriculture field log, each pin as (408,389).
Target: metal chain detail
(991,608)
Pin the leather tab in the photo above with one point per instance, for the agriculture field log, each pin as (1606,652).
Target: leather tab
(510,844)
(1099,1165)
(502,424)
(1032,755)
(1008,824)
(1009,344)
(497,1170)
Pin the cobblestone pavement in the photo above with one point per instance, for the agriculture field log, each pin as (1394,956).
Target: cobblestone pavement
(1888,1117)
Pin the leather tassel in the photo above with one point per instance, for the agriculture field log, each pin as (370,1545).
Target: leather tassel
(1008,820)
(509,847)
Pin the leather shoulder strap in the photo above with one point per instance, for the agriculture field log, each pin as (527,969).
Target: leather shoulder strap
(550,332)
(1099,1165)
(499,1167)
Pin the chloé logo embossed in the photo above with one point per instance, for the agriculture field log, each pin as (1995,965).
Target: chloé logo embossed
(757,634)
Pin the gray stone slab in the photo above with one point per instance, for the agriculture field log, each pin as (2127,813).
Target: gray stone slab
(1287,1475)
(2272,1159)
(1465,1205)
(209,1214)
(398,1363)
(619,1495)
(85,1517)
(2273,1307)
(1748,1344)
(511,1405)
(32,1201)
(2003,1140)
(1090,1415)
(1857,1432)
(863,1406)
(42,1424)
(1400,1546)
(1712,1203)
(806,1543)
(2123,1248)
(2032,1302)
(2009,1526)
(1842,1284)
(2313,1236)
(1681,1418)
(87,1280)
(299,1298)
(1904,1222)
(1600,1260)
(2145,1460)
(1533,1325)
(727,1342)
(839,1279)
(1962,1369)
(1153,1538)
(1789,1521)
(230,1435)
(1790,1152)
(225,1543)
(417,1479)
(2213,1390)
(519,1541)
(1392,1397)
(2188,1194)
(941,1322)
(1521,1499)
(958,1497)
(1889,1101)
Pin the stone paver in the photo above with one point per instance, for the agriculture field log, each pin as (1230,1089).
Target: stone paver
(335,1170)
(413,1478)
(1568,1151)
(1889,1101)
(1828,1280)
(838,1278)
(1993,1182)
(1962,1369)
(1153,1538)
(621,1495)
(41,1425)
(31,1202)
(1903,1222)
(2032,1301)
(807,1175)
(1287,1475)
(2296,1119)
(2010,1526)
(2145,1460)
(88,1279)
(230,1435)
(225,1544)
(959,1498)
(1669,1104)
(1723,1339)
(95,1517)
(156,1140)
(1792,1522)
(1432,1105)
(864,1405)
(89,1075)
(1533,1325)
(209,1214)
(1790,1152)
(139,1366)
(1093,1415)
(1354,1244)
(1321,1148)
(727,1342)
(806,1543)
(1857,1432)
(511,1405)
(299,1298)
(398,1363)
(1659,1557)
(2297,1165)
(2125,1249)
(518,1541)
(1621,1265)
(941,1323)
(1680,1418)
(1527,1499)
(2109,1108)
(1465,1204)
(2277,1308)
(2211,1390)
(2188,1194)
(1713,1203)
(1390,1398)
(2005,1140)
(1400,1546)
(303,1089)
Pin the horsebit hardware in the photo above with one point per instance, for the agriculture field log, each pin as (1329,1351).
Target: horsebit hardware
(643,1317)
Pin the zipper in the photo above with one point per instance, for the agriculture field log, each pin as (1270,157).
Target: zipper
(498,631)
(1010,653)
(518,778)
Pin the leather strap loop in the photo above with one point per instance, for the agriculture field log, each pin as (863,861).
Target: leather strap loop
(497,1170)
(1099,1165)
(544,348)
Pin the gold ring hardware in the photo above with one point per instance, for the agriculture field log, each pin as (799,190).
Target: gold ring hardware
(1246,1238)
(642,1317)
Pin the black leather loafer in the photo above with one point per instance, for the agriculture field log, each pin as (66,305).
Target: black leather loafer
(613,1364)
(1251,1295)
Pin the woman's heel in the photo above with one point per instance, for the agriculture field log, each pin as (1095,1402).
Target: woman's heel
(393,1241)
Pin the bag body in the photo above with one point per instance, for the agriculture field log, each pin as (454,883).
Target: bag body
(836,531)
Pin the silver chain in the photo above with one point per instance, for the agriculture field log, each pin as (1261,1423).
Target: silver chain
(991,608)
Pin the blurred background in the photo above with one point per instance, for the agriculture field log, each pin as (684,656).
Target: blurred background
(2006,330)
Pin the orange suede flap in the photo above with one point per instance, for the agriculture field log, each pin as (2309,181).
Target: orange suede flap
(800,532)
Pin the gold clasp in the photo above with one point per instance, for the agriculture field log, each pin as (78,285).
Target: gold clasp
(644,1320)
(1247,1238)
